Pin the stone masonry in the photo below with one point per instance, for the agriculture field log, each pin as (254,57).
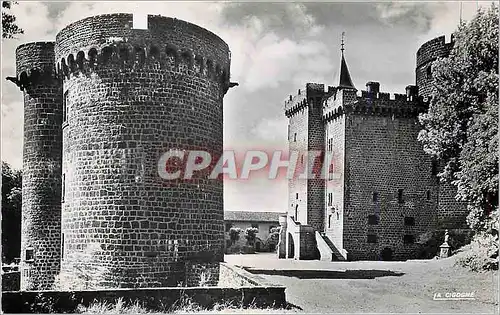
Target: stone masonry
(121,97)
(382,192)
(42,156)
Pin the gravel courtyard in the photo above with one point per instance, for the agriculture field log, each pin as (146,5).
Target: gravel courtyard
(375,286)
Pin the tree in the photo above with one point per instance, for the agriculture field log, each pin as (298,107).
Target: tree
(251,234)
(461,126)
(9,26)
(11,213)
(234,234)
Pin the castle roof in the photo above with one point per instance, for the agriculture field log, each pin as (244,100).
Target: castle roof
(253,216)
(345,80)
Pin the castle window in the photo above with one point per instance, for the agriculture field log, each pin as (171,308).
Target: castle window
(30,254)
(295,137)
(375,196)
(400,195)
(428,195)
(330,199)
(62,245)
(65,105)
(330,144)
(408,239)
(410,221)
(228,226)
(373,219)
(63,190)
(429,72)
(296,212)
(338,216)
(371,238)
(329,221)
(288,134)
(434,167)
(296,195)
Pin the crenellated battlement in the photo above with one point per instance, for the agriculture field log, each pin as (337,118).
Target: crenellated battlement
(434,48)
(122,54)
(373,102)
(34,63)
(297,102)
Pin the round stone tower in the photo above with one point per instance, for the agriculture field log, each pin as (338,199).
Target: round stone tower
(131,95)
(426,54)
(42,157)
(451,214)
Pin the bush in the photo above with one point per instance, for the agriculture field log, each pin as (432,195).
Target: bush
(83,272)
(431,241)
(481,254)
(251,234)
(234,234)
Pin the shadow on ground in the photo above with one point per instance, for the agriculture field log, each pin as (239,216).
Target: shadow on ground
(327,274)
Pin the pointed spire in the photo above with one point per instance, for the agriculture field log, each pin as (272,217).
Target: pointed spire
(345,80)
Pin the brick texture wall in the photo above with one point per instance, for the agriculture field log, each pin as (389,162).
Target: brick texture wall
(297,111)
(132,95)
(383,156)
(334,194)
(316,136)
(42,154)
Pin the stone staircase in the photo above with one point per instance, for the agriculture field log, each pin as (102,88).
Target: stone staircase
(327,249)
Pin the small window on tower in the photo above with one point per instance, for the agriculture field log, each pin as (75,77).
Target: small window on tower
(62,246)
(30,254)
(409,221)
(295,137)
(371,238)
(429,72)
(296,195)
(373,219)
(400,195)
(375,196)
(65,105)
(63,183)
(434,167)
(408,239)
(428,195)
(329,221)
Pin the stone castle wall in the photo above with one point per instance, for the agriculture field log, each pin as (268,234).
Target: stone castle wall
(127,102)
(297,110)
(382,157)
(42,154)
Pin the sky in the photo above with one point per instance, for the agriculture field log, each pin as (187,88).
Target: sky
(276,48)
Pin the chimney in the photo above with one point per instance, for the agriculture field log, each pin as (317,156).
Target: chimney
(372,87)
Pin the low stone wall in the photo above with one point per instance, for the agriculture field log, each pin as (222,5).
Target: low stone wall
(232,276)
(236,287)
